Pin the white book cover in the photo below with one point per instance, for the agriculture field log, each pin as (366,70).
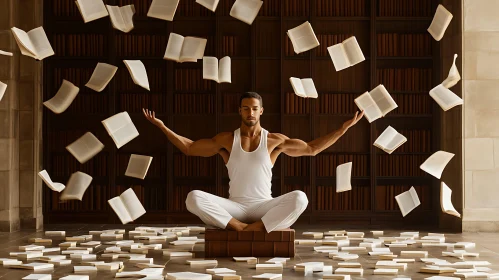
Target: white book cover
(304,87)
(75,277)
(63,98)
(140,273)
(138,72)
(76,186)
(440,22)
(246,10)
(268,276)
(102,75)
(91,10)
(122,17)
(208,4)
(188,276)
(38,277)
(407,201)
(138,166)
(376,103)
(343,177)
(121,128)
(127,206)
(3,88)
(303,38)
(446,202)
(34,44)
(163,9)
(6,53)
(35,266)
(184,49)
(58,187)
(445,98)
(85,147)
(219,72)
(346,54)
(435,164)
(390,140)
(454,77)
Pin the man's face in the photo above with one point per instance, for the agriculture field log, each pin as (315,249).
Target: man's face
(250,111)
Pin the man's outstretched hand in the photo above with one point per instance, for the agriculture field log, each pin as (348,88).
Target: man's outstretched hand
(151,116)
(353,121)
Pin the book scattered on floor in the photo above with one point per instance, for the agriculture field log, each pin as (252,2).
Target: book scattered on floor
(38,277)
(246,10)
(376,103)
(440,22)
(218,71)
(138,165)
(350,264)
(35,266)
(75,277)
(3,88)
(313,234)
(101,76)
(127,206)
(184,49)
(31,247)
(220,271)
(389,141)
(163,9)
(454,77)
(6,54)
(91,10)
(38,240)
(354,249)
(249,260)
(350,271)
(121,128)
(408,201)
(269,276)
(208,4)
(445,97)
(138,72)
(417,254)
(446,202)
(385,271)
(391,265)
(58,187)
(377,232)
(435,164)
(304,87)
(436,269)
(336,276)
(226,277)
(34,44)
(346,54)
(269,266)
(7,261)
(84,269)
(303,38)
(55,233)
(188,276)
(85,147)
(76,186)
(63,98)
(202,263)
(122,17)
(278,260)
(343,177)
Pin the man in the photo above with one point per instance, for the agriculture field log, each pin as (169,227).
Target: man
(249,154)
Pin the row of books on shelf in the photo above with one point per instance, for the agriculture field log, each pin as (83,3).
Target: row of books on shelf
(89,102)
(94,199)
(385,197)
(400,165)
(342,8)
(412,104)
(191,79)
(77,76)
(296,104)
(407,8)
(229,45)
(296,166)
(157,168)
(405,79)
(191,103)
(155,76)
(184,166)
(327,40)
(80,45)
(63,165)
(133,103)
(413,45)
(141,45)
(326,164)
(358,199)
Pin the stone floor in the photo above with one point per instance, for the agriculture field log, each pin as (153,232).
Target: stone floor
(486,244)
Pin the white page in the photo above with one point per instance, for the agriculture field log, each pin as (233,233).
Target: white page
(40,43)
(102,75)
(309,87)
(24,42)
(76,186)
(246,10)
(383,99)
(38,277)
(396,142)
(127,13)
(163,9)
(436,163)
(445,97)
(138,166)
(224,70)
(85,147)
(268,276)
(174,47)
(210,68)
(58,187)
(192,49)
(6,53)
(298,87)
(3,88)
(63,98)
(454,77)
(303,38)
(120,210)
(385,138)
(367,104)
(353,51)
(138,72)
(446,202)
(121,129)
(208,4)
(121,17)
(188,276)
(339,57)
(440,22)
(132,204)
(407,202)
(343,177)
(91,9)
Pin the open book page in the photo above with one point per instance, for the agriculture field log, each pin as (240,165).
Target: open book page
(24,42)
(446,202)
(76,186)
(445,97)
(383,99)
(6,53)
(120,209)
(407,201)
(63,98)
(192,49)
(122,17)
(138,166)
(163,9)
(339,57)
(208,4)
(102,75)
(40,43)
(366,103)
(389,140)
(85,147)
(309,86)
(435,164)
(58,187)
(91,9)
(210,68)
(174,47)
(138,72)
(3,88)
(298,87)
(396,142)
(303,38)
(224,70)
(454,77)
(353,51)
(440,22)
(246,10)
(121,128)
(343,177)
(132,204)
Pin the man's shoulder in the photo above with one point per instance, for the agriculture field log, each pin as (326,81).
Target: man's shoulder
(277,136)
(224,137)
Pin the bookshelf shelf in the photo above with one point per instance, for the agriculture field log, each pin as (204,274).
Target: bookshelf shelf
(404,18)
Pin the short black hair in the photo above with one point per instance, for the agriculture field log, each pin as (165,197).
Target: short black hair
(251,94)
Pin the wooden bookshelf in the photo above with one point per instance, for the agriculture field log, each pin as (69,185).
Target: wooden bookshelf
(399,54)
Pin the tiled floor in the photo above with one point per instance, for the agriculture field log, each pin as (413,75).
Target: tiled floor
(486,244)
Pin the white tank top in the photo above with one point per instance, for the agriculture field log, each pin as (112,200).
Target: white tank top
(250,173)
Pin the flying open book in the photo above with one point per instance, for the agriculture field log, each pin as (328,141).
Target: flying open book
(121,128)
(138,72)
(34,44)
(408,201)
(390,140)
(184,49)
(163,9)
(445,97)
(63,98)
(343,177)
(246,10)
(446,202)
(440,22)
(76,186)
(304,87)
(435,164)
(453,76)
(122,17)
(6,53)
(91,9)
(102,75)
(3,88)
(127,206)
(208,4)
(376,103)
(85,147)
(138,166)
(303,38)
(218,73)
(346,54)
(58,187)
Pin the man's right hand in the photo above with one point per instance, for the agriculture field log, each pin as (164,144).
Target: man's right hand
(151,116)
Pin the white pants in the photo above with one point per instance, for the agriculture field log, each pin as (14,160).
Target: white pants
(276,213)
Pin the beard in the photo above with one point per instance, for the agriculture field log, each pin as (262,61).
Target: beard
(250,122)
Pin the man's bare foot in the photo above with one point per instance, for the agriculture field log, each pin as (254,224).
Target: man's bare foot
(256,226)
(236,225)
